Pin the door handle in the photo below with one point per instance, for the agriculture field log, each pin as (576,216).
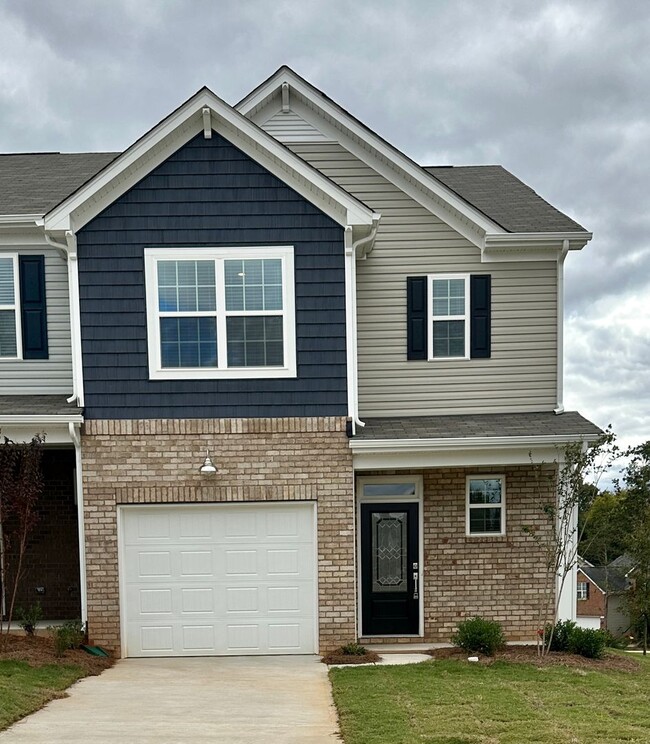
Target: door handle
(415,585)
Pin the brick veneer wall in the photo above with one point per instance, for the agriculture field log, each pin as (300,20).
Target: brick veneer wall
(499,578)
(595,605)
(157,461)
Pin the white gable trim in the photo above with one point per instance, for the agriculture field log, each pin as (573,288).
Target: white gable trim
(177,129)
(337,124)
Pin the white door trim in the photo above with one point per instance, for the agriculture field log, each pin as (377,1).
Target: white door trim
(418,499)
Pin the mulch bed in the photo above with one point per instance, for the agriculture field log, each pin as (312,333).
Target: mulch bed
(338,657)
(39,651)
(528,655)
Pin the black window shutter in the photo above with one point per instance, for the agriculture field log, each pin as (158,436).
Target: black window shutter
(587,583)
(33,311)
(480,315)
(416,317)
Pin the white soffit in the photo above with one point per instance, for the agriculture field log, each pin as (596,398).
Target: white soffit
(177,129)
(370,454)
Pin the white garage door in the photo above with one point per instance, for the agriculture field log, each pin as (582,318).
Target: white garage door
(219,579)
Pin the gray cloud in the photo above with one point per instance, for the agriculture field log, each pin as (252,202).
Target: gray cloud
(557,92)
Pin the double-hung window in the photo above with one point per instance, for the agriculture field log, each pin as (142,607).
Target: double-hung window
(449,316)
(220,312)
(10,336)
(486,505)
(583,590)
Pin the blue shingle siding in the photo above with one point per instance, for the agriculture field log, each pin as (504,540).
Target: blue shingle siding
(208,193)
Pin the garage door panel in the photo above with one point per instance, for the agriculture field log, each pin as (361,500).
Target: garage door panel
(246,587)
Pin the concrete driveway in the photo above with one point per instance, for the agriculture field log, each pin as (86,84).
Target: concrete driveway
(234,700)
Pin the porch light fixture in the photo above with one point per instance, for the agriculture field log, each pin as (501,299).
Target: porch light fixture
(208,467)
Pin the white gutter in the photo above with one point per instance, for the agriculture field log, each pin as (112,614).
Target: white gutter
(16,220)
(34,419)
(351,249)
(465,443)
(75,436)
(69,252)
(559,408)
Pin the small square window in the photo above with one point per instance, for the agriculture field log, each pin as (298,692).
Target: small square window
(583,590)
(485,505)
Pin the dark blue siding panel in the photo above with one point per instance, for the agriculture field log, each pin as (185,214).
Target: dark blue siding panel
(208,193)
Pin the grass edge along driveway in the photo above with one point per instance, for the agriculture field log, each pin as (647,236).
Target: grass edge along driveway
(455,702)
(24,688)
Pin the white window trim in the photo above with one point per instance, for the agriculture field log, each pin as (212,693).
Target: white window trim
(431,318)
(468,506)
(578,592)
(16,307)
(156,370)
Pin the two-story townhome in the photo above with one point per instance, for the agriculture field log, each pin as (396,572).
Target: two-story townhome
(367,352)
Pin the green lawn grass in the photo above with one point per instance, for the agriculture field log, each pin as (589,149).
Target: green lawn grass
(453,702)
(24,689)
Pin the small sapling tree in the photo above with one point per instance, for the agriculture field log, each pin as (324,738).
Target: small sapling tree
(563,489)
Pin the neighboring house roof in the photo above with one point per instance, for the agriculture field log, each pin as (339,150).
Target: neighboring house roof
(568,424)
(18,406)
(504,198)
(34,182)
(606,578)
(583,562)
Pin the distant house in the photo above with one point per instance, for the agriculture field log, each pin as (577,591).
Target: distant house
(599,595)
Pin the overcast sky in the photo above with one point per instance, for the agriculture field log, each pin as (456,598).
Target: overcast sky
(557,92)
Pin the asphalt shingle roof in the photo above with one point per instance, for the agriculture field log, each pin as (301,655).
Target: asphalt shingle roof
(34,182)
(478,425)
(607,578)
(36,405)
(504,198)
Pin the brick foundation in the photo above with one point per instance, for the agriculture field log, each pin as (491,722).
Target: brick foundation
(157,461)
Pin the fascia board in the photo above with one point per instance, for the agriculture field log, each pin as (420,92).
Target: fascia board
(154,147)
(345,123)
(40,420)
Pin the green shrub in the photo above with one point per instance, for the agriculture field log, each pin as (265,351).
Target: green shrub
(69,635)
(29,618)
(479,636)
(353,649)
(588,642)
(561,640)
(612,641)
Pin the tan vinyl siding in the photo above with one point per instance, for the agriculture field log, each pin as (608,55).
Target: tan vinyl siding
(520,375)
(53,375)
(289,127)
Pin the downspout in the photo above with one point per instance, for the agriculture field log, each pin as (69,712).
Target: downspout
(68,251)
(74,430)
(351,250)
(560,327)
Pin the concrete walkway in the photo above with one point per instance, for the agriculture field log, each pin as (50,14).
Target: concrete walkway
(274,699)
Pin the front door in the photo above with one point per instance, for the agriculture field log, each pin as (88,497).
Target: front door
(389,569)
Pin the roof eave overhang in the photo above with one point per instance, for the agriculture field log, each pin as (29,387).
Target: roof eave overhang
(369,454)
(421,185)
(179,127)
(19,221)
(543,246)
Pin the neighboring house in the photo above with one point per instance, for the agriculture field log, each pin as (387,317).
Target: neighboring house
(369,351)
(599,595)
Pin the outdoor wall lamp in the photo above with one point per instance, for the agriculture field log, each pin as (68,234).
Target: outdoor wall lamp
(208,467)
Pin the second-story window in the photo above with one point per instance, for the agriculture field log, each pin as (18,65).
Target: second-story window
(583,590)
(9,308)
(220,312)
(448,330)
